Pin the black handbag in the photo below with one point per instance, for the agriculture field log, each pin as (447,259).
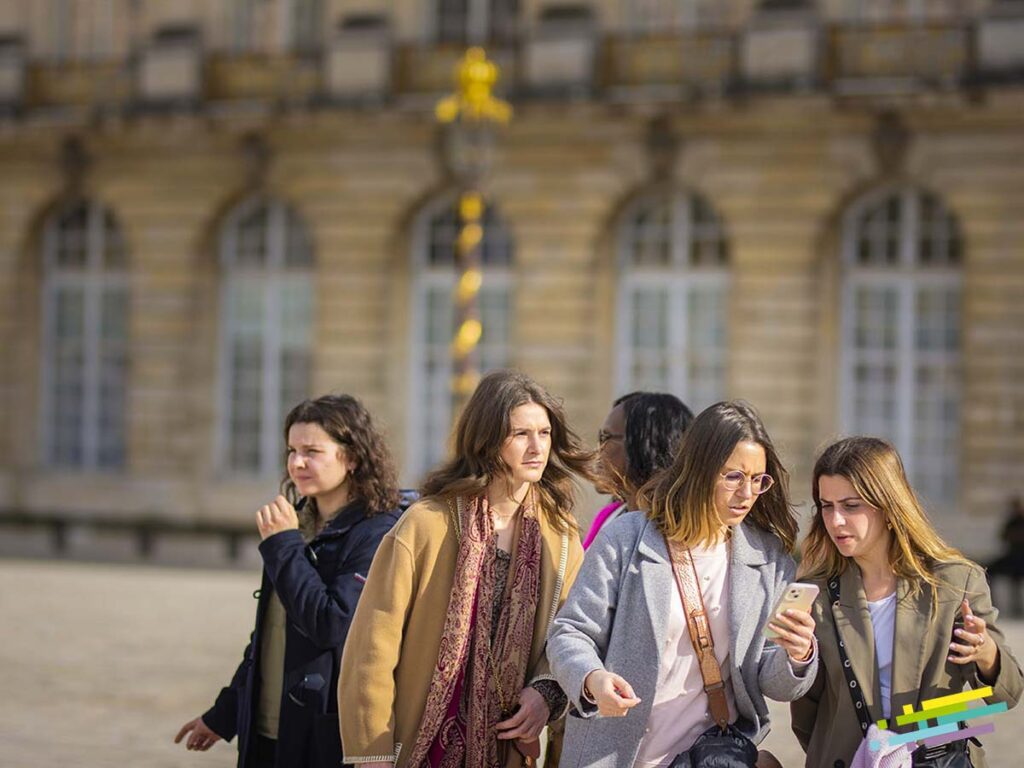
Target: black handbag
(717,749)
(723,745)
(952,755)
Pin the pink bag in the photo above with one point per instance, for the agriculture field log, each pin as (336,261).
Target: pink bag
(885,756)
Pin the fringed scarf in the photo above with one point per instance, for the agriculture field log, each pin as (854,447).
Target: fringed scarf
(451,734)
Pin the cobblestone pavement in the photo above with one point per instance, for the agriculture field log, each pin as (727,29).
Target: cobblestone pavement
(100,665)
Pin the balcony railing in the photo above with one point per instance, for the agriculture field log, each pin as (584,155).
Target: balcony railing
(934,54)
(702,61)
(366,66)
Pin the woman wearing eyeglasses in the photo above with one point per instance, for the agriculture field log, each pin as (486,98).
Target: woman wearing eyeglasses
(621,646)
(902,616)
(639,437)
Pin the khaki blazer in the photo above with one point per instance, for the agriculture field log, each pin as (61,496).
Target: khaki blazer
(394,641)
(825,721)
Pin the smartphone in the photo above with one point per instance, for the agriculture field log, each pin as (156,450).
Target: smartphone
(798,596)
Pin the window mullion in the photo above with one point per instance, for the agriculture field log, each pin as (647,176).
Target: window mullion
(225,435)
(271,372)
(681,230)
(908,366)
(679,347)
(91,374)
(477,21)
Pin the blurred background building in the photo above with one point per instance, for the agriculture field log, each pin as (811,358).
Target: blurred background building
(210,209)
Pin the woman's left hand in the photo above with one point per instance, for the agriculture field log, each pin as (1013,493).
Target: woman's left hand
(529,720)
(973,645)
(796,633)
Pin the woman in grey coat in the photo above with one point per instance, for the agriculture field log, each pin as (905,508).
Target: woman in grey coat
(620,646)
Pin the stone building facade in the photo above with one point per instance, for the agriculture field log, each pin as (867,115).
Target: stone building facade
(212,209)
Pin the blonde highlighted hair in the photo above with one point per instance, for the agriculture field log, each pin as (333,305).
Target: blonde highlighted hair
(873,467)
(680,500)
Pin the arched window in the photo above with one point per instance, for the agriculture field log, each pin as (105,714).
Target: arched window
(901,317)
(85,349)
(266,336)
(433,257)
(673,275)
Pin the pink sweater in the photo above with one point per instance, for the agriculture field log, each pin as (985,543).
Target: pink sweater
(602,517)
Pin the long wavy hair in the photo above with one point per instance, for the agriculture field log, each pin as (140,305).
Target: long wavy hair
(482,428)
(655,423)
(681,499)
(874,469)
(348,423)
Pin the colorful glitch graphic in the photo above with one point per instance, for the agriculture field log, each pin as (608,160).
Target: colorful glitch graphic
(947,712)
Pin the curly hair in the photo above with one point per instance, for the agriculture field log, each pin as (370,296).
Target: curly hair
(348,423)
(655,423)
(484,424)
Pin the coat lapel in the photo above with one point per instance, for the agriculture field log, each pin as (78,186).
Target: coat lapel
(913,620)
(746,589)
(657,580)
(855,631)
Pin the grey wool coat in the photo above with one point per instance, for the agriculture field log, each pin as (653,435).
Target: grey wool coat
(616,618)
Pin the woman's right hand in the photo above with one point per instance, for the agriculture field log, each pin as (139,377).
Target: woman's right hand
(201,738)
(374,765)
(613,695)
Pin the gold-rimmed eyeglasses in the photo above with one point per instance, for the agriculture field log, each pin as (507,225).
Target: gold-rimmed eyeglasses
(733,479)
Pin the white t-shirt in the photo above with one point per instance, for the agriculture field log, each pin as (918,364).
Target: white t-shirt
(883,622)
(680,708)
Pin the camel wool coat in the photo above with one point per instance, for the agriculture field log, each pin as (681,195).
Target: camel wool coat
(825,721)
(394,641)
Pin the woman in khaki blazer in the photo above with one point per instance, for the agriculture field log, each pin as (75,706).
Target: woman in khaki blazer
(445,663)
(901,591)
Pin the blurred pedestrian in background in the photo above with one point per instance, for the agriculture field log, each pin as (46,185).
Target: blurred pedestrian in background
(1011,563)
(446,665)
(628,647)
(902,616)
(339,497)
(639,437)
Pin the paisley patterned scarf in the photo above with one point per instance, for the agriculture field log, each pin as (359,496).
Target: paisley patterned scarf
(463,707)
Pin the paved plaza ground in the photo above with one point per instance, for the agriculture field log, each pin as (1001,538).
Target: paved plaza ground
(100,665)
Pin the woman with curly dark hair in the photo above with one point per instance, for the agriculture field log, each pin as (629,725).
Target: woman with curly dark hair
(338,498)
(638,439)
(447,666)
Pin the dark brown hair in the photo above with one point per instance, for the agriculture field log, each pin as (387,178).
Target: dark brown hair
(483,426)
(349,424)
(681,499)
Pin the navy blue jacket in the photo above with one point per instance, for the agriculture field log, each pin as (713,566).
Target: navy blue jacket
(319,584)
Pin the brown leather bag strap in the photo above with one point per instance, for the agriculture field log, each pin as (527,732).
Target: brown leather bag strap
(700,630)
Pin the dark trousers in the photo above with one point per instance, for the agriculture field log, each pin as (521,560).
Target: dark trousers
(1010,566)
(262,753)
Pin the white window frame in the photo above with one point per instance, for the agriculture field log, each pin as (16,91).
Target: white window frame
(428,278)
(274,275)
(242,23)
(290,31)
(478,21)
(94,280)
(907,277)
(679,279)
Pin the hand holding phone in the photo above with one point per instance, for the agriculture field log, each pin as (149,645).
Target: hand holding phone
(797,596)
